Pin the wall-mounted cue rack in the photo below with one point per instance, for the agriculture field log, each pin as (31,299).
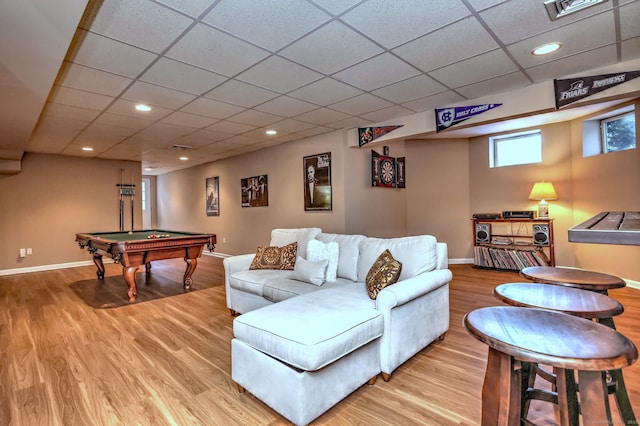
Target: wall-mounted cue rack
(126,190)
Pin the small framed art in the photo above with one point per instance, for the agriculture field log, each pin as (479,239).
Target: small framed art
(212,185)
(317,182)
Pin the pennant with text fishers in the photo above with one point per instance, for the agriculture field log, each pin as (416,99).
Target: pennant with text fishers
(370,134)
(447,117)
(573,89)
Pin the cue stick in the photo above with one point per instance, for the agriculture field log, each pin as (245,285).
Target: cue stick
(121,200)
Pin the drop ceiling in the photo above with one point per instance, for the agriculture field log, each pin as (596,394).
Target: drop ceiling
(218,74)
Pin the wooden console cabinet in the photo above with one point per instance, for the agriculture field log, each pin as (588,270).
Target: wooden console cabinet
(512,244)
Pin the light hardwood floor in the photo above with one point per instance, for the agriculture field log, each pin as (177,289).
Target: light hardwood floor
(64,360)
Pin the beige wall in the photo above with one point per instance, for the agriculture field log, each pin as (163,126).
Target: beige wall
(608,182)
(53,198)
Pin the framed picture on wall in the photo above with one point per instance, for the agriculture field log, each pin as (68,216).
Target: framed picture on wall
(255,191)
(212,192)
(317,182)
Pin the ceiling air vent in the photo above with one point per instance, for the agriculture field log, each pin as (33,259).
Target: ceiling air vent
(559,8)
(180,147)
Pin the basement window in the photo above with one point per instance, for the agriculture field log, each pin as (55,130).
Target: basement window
(515,148)
(610,132)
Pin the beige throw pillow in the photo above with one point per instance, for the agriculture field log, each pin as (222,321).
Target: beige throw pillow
(272,257)
(384,272)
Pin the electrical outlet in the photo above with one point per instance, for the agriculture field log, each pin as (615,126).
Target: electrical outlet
(224,240)
(29,251)
(23,252)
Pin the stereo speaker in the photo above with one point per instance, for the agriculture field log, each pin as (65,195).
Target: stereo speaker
(483,233)
(541,235)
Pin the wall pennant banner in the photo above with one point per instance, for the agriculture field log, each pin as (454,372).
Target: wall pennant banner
(370,134)
(447,117)
(573,89)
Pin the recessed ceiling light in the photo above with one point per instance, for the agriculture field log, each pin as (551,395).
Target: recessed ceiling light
(184,158)
(271,132)
(143,107)
(546,48)
(87,148)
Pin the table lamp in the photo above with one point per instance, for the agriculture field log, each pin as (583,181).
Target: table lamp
(543,191)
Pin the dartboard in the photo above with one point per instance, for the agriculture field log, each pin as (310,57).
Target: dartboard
(387,172)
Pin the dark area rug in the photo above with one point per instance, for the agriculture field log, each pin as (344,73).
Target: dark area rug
(111,292)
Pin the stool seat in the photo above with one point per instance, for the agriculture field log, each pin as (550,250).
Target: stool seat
(572,277)
(565,342)
(573,301)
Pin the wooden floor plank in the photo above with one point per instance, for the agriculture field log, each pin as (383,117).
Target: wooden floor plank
(69,354)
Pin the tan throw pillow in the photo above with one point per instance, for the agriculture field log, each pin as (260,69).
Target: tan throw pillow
(384,272)
(272,257)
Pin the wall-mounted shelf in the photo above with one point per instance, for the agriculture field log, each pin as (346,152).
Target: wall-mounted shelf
(513,244)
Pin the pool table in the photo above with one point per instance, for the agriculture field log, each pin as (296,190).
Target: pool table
(135,248)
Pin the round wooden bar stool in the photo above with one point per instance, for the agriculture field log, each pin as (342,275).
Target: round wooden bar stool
(576,302)
(518,337)
(572,277)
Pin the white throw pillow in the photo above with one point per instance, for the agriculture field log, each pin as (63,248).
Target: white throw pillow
(348,253)
(317,250)
(309,271)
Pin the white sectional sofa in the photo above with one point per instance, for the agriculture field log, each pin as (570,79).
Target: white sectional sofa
(302,347)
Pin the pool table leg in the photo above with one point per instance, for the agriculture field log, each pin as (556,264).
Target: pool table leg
(130,278)
(97,259)
(191,266)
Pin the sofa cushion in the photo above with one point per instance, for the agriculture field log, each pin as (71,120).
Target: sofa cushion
(313,272)
(281,237)
(305,332)
(417,254)
(384,272)
(347,253)
(274,257)
(277,290)
(253,281)
(317,250)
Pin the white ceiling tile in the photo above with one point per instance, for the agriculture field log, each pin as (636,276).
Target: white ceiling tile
(361,104)
(151,94)
(239,93)
(290,126)
(120,20)
(191,120)
(215,51)
(349,123)
(92,80)
(231,127)
(630,20)
(336,6)
(387,114)
(211,135)
(317,130)
(434,101)
(573,64)
(255,118)
(631,49)
(122,121)
(80,98)
(193,8)
(495,85)
(479,5)
(519,19)
(279,75)
(391,23)
(212,108)
(331,49)
(389,69)
(447,45)
(601,34)
(243,140)
(324,92)
(482,67)
(128,108)
(285,106)
(268,23)
(56,111)
(162,132)
(109,55)
(186,78)
(321,116)
(410,89)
